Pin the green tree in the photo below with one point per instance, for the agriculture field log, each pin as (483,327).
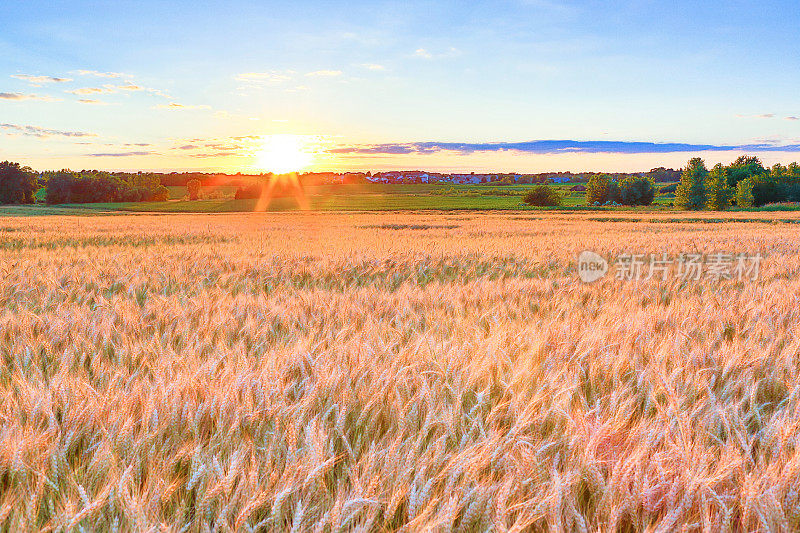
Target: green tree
(636,190)
(719,194)
(778,171)
(745,166)
(793,172)
(614,192)
(691,192)
(744,193)
(541,196)
(597,189)
(193,187)
(18,185)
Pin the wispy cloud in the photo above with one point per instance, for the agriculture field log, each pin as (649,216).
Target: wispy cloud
(427,54)
(424,54)
(767,116)
(21,96)
(269,77)
(324,73)
(555,147)
(97,74)
(760,115)
(213,154)
(218,147)
(121,154)
(373,66)
(38,81)
(130,87)
(109,88)
(92,102)
(36,131)
(91,90)
(180,107)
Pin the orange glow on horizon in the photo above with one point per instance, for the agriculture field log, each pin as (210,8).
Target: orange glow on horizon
(284,153)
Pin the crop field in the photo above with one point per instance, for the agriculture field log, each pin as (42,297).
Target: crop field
(385,371)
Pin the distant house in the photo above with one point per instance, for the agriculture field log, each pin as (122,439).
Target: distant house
(465,179)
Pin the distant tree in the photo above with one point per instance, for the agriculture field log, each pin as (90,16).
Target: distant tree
(691,192)
(597,189)
(767,190)
(193,187)
(793,172)
(59,187)
(66,186)
(18,185)
(614,192)
(744,193)
(249,192)
(778,171)
(636,190)
(160,194)
(541,196)
(661,174)
(745,166)
(718,193)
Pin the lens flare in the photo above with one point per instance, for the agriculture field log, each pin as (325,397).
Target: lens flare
(284,153)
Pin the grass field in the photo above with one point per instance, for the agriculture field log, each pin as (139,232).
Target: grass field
(369,197)
(372,372)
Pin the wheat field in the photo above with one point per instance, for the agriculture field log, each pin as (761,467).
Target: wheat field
(384,372)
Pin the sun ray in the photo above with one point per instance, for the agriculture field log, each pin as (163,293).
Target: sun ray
(283,153)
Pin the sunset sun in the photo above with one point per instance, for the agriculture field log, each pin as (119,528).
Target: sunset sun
(284,153)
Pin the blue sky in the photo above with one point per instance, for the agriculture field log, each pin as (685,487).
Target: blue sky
(174,85)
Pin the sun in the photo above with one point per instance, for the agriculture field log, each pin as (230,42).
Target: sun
(283,153)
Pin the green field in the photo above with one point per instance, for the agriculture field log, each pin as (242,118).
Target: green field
(362,197)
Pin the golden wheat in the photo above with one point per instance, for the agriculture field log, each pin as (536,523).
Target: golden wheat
(416,372)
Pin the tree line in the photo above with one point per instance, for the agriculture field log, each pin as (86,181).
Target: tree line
(601,189)
(745,182)
(68,187)
(19,185)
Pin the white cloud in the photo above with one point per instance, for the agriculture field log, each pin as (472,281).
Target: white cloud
(97,74)
(93,102)
(373,66)
(324,73)
(91,90)
(111,89)
(426,54)
(20,96)
(271,77)
(38,81)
